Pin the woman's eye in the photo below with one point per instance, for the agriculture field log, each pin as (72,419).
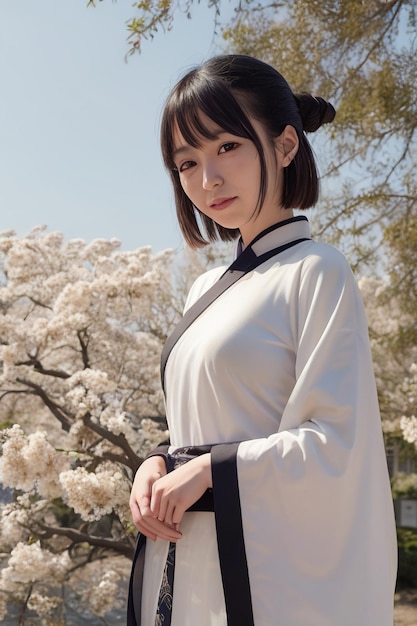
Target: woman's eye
(227,147)
(185,166)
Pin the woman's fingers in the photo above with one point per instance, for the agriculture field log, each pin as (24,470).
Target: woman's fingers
(152,527)
(157,529)
(167,516)
(175,492)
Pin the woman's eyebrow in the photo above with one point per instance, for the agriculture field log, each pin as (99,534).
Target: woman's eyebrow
(180,150)
(186,147)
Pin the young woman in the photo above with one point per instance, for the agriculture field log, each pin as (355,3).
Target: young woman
(276,443)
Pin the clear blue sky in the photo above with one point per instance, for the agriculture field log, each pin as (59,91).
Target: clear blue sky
(79,146)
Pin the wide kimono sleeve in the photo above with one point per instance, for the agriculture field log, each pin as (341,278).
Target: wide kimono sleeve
(314,496)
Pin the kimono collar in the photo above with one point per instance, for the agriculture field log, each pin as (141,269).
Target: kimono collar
(279,234)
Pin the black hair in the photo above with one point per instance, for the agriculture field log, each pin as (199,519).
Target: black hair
(229,90)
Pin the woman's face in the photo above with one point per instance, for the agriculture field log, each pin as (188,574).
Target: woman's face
(222,178)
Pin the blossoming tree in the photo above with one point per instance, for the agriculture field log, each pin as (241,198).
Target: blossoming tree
(392,314)
(401,238)
(395,368)
(81,331)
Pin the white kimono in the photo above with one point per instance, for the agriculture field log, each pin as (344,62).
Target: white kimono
(281,363)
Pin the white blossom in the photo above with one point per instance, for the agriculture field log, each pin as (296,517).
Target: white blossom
(95,494)
(43,605)
(30,462)
(13,525)
(149,433)
(86,389)
(409,428)
(29,563)
(118,423)
(101,597)
(391,426)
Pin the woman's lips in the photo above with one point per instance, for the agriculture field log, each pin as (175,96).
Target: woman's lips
(222,203)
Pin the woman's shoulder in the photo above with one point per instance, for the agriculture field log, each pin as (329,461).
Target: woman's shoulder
(321,257)
(203,284)
(324,269)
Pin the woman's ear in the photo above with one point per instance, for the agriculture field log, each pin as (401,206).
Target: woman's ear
(287,145)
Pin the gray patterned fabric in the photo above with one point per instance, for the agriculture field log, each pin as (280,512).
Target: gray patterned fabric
(164,610)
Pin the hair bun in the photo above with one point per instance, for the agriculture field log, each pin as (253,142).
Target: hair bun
(314,111)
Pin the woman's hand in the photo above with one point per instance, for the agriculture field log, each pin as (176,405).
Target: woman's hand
(175,492)
(145,521)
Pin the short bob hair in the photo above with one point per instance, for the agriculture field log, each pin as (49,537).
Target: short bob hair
(229,89)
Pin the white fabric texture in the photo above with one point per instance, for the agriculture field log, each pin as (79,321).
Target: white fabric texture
(281,363)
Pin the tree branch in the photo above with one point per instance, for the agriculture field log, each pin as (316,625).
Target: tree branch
(25,606)
(38,367)
(117,458)
(83,339)
(55,409)
(35,302)
(120,441)
(77,536)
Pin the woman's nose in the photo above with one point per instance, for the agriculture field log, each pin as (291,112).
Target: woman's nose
(211,176)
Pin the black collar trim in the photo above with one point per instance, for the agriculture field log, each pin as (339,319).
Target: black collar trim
(290,220)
